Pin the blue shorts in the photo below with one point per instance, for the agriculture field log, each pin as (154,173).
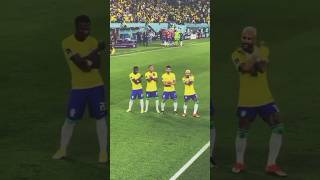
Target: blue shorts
(169,95)
(136,94)
(194,97)
(80,98)
(151,94)
(263,111)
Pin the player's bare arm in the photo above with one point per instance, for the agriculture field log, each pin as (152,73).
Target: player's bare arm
(261,66)
(82,63)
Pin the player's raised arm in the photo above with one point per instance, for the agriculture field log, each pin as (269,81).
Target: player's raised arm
(262,63)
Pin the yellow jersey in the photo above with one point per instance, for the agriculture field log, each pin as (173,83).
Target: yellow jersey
(189,89)
(137,76)
(169,78)
(254,90)
(151,85)
(80,79)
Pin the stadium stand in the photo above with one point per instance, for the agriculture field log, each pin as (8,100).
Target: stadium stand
(159,11)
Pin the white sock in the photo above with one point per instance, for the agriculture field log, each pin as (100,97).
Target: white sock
(274,148)
(141,104)
(130,104)
(175,105)
(147,105)
(185,108)
(212,141)
(195,108)
(66,134)
(101,126)
(157,105)
(163,104)
(241,144)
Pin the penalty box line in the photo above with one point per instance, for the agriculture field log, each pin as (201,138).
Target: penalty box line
(190,162)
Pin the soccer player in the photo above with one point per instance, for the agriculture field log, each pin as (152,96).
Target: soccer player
(169,91)
(190,93)
(151,91)
(137,92)
(255,99)
(212,137)
(177,38)
(82,55)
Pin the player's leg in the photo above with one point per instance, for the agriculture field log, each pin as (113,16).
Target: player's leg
(270,114)
(165,97)
(185,105)
(157,101)
(132,98)
(246,117)
(76,108)
(140,97)
(98,111)
(195,106)
(148,94)
(173,95)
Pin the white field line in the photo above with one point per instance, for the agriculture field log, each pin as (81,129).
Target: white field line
(144,52)
(189,163)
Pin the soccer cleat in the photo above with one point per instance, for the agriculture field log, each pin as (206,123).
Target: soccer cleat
(146,111)
(238,168)
(176,112)
(103,157)
(142,111)
(184,115)
(275,170)
(158,111)
(60,154)
(196,115)
(128,110)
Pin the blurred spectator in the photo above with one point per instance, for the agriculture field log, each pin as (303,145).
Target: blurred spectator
(157,11)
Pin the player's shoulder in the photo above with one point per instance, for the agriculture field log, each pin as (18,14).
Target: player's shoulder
(92,39)
(68,39)
(264,49)
(237,53)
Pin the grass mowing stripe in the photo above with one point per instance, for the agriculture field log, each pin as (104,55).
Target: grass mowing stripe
(189,163)
(156,49)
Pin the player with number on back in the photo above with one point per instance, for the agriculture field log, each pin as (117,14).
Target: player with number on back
(82,55)
(190,93)
(255,99)
(169,91)
(151,91)
(137,92)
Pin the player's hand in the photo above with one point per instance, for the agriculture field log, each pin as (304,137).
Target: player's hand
(254,72)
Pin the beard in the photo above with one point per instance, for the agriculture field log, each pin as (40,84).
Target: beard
(247,47)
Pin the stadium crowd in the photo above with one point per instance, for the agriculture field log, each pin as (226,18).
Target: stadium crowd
(157,11)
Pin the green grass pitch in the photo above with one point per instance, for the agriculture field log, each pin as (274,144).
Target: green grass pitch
(151,145)
(35,83)
(291,30)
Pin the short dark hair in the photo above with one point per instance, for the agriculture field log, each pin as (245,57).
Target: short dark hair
(168,66)
(82,19)
(135,67)
(150,65)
